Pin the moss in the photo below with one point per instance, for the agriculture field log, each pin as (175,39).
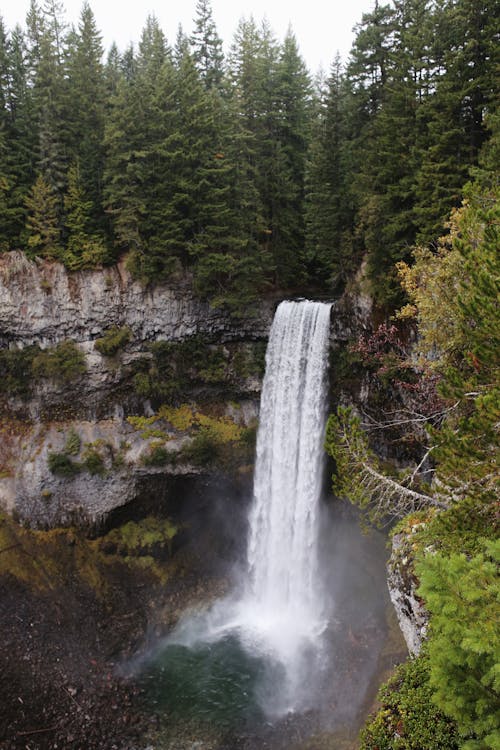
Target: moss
(142,538)
(113,340)
(181,418)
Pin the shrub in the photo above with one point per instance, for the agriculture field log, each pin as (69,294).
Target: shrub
(62,465)
(93,462)
(73,443)
(408,719)
(159,456)
(16,370)
(63,363)
(113,340)
(203,449)
(174,366)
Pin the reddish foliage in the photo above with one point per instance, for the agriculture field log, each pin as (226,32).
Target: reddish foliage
(387,354)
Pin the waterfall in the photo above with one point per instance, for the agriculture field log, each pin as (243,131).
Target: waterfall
(282,605)
(279,612)
(282,548)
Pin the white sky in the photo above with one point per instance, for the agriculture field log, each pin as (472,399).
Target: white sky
(322,28)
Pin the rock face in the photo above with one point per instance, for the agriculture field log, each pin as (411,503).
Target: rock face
(412,616)
(42,304)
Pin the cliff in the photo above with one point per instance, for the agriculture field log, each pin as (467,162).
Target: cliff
(91,362)
(71,450)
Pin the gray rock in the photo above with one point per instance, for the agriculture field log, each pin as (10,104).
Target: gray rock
(412,616)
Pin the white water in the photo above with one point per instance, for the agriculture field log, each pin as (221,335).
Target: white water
(280,612)
(283,587)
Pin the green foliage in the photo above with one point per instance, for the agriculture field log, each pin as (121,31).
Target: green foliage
(344,440)
(159,456)
(360,477)
(408,718)
(176,367)
(83,249)
(457,561)
(113,340)
(203,449)
(459,529)
(16,370)
(93,462)
(21,368)
(145,537)
(62,465)
(63,363)
(463,596)
(73,443)
(238,171)
(43,234)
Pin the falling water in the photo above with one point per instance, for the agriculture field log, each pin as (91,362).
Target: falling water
(282,551)
(283,602)
(278,614)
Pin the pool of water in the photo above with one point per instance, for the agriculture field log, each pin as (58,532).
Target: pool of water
(216,683)
(223,693)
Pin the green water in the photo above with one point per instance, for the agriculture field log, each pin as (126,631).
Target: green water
(215,683)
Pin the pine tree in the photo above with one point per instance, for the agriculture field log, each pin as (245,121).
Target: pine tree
(46,36)
(43,236)
(122,196)
(466,80)
(462,596)
(291,135)
(83,249)
(388,146)
(87,109)
(329,212)
(207,47)
(467,446)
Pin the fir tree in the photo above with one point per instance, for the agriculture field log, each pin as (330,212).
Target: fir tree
(43,235)
(87,109)
(83,249)
(328,211)
(207,47)
(462,596)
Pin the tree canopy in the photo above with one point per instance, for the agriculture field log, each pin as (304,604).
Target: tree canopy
(239,168)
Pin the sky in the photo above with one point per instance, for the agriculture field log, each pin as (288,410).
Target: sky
(321,27)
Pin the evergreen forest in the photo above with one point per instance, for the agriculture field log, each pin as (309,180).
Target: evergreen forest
(241,168)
